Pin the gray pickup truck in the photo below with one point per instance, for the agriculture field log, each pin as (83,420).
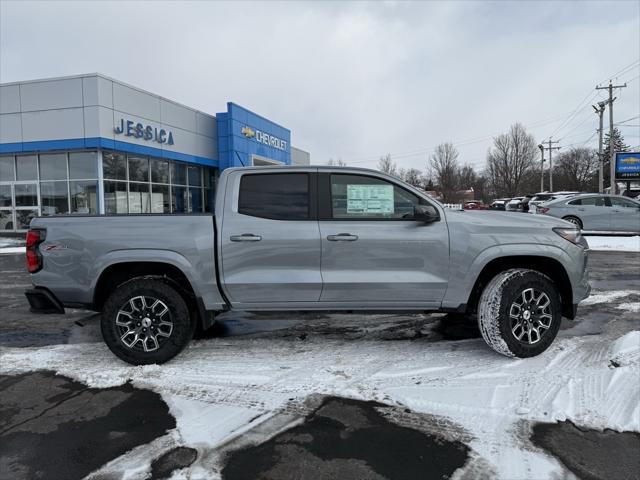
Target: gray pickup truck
(302,239)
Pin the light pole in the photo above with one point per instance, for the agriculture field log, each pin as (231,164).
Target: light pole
(541,147)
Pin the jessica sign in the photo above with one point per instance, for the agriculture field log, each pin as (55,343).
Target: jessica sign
(145,132)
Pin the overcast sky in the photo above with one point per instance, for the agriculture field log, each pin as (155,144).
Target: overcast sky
(352,80)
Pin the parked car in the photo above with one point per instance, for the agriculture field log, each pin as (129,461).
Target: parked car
(308,238)
(632,193)
(515,204)
(499,204)
(597,212)
(475,205)
(543,197)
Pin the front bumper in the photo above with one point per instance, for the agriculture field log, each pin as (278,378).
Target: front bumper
(42,300)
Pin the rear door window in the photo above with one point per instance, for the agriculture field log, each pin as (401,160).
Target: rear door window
(623,202)
(278,196)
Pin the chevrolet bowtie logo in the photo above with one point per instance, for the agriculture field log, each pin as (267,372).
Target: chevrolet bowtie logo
(247,132)
(630,160)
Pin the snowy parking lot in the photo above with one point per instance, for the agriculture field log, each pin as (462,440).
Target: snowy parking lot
(311,395)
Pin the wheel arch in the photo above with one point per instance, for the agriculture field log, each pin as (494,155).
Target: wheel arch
(119,273)
(550,267)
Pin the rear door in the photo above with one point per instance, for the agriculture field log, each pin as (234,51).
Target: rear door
(270,241)
(594,212)
(373,251)
(625,215)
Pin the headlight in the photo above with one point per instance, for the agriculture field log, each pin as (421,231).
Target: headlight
(571,234)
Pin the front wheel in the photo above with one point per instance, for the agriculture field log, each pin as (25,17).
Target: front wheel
(519,313)
(146,321)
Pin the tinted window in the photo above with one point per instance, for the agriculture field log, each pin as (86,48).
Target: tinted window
(280,196)
(358,196)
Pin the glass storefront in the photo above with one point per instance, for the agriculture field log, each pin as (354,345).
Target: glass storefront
(69,183)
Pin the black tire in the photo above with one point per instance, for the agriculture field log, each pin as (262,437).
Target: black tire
(498,304)
(575,220)
(167,341)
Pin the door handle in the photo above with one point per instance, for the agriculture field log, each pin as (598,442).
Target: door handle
(245,237)
(342,237)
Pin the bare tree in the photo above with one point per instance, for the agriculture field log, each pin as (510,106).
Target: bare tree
(386,165)
(336,163)
(577,169)
(510,160)
(444,164)
(413,176)
(468,177)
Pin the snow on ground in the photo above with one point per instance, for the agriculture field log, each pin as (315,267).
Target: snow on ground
(619,244)
(6,250)
(220,388)
(11,241)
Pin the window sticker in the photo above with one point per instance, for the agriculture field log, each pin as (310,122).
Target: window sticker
(366,199)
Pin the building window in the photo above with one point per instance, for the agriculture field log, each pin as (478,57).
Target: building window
(160,202)
(159,171)
(115,197)
(83,165)
(155,185)
(139,199)
(114,166)
(138,168)
(53,166)
(54,198)
(27,167)
(7,166)
(84,197)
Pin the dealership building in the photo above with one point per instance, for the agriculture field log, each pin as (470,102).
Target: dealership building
(90,144)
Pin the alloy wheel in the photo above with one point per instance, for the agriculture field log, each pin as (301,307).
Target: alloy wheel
(530,316)
(144,323)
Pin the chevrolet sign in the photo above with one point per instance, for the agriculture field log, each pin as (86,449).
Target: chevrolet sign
(627,165)
(264,138)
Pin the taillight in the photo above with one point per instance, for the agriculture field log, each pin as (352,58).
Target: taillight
(34,258)
(542,210)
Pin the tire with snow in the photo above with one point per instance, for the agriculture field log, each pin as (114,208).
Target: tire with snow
(519,313)
(146,321)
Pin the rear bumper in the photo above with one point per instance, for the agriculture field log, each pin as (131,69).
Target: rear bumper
(42,300)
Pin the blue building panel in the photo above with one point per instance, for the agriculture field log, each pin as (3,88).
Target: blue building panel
(248,134)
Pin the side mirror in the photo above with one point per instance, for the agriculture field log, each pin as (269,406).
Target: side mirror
(425,213)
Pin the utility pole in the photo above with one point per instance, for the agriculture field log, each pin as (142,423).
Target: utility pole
(551,148)
(600,111)
(541,147)
(612,153)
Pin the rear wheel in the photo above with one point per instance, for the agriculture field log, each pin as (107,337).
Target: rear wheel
(519,313)
(146,321)
(575,220)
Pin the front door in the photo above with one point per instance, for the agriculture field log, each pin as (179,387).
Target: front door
(373,252)
(625,215)
(270,240)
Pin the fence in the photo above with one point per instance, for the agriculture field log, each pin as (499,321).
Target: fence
(453,206)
